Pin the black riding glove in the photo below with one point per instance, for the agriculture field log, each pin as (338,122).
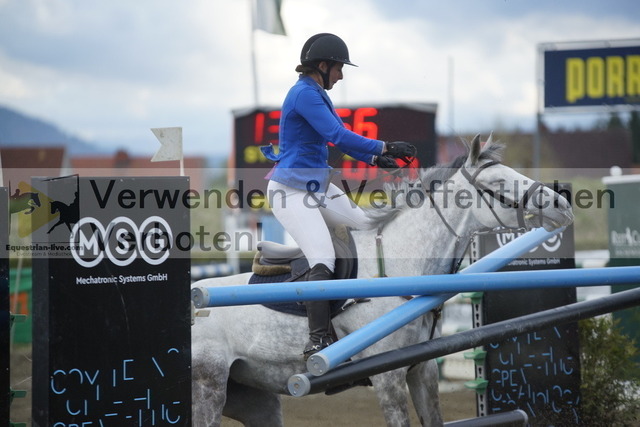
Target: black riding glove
(400,149)
(386,162)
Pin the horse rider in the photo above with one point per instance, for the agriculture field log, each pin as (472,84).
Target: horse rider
(300,193)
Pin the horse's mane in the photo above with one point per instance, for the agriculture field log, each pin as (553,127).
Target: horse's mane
(429,178)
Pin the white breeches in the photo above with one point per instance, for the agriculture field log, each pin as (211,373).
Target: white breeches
(307,216)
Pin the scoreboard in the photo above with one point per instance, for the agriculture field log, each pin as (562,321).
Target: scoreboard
(410,122)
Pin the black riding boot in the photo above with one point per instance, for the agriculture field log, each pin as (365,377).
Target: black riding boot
(319,315)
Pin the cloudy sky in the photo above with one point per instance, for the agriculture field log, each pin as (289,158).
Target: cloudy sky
(107,71)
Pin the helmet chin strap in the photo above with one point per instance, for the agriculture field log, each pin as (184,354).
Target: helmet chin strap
(325,75)
(325,80)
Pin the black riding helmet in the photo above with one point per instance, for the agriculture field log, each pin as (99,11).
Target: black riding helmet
(324,47)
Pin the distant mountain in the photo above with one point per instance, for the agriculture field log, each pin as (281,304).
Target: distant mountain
(17,129)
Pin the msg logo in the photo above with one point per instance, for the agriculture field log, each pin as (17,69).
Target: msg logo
(121,242)
(550,245)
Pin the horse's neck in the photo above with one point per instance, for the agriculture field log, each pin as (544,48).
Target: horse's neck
(453,230)
(416,242)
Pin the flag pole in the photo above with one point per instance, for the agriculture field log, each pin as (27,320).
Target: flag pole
(170,146)
(1,182)
(254,67)
(265,15)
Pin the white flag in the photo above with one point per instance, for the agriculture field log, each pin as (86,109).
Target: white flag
(266,16)
(171,144)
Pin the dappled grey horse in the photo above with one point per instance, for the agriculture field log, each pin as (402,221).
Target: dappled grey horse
(244,355)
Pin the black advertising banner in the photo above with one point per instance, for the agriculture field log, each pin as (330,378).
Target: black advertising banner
(111,328)
(538,372)
(594,77)
(5,323)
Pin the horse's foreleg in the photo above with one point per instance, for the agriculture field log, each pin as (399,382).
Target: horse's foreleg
(391,390)
(209,388)
(251,406)
(422,380)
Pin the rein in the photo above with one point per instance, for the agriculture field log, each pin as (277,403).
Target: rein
(407,162)
(455,265)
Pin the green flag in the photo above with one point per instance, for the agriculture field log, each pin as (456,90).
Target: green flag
(266,16)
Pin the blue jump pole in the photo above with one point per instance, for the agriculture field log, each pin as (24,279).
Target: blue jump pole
(392,286)
(355,342)
(419,285)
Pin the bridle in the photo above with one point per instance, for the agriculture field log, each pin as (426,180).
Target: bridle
(520,206)
(481,189)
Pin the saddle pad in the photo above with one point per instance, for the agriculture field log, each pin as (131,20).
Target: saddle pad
(295,308)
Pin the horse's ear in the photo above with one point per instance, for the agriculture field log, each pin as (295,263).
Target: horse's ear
(489,141)
(474,152)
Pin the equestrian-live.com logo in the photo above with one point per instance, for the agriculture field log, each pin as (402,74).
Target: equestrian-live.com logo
(121,242)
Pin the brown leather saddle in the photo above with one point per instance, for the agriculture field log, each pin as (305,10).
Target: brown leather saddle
(275,263)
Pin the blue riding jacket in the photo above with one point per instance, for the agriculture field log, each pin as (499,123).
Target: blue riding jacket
(307,124)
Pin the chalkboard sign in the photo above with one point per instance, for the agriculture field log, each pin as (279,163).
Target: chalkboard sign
(5,332)
(111,323)
(538,372)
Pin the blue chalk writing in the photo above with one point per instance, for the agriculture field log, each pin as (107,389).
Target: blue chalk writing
(125,363)
(157,366)
(129,393)
(532,372)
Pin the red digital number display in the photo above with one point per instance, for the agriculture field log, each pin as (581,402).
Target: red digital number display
(267,127)
(360,120)
(414,123)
